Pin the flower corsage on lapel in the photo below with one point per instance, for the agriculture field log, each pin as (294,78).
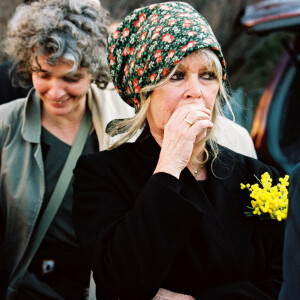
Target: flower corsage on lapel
(268,202)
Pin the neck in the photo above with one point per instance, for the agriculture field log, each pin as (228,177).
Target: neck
(197,169)
(158,138)
(64,127)
(195,165)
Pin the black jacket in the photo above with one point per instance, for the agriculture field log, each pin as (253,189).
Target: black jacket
(8,91)
(142,231)
(291,258)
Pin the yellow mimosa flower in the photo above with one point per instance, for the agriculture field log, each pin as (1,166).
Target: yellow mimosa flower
(269,202)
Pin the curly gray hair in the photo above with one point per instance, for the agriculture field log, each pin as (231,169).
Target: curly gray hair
(73,29)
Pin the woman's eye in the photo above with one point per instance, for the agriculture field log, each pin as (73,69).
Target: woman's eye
(177,76)
(44,75)
(208,76)
(72,79)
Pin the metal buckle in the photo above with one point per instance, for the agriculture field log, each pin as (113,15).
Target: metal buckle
(48,266)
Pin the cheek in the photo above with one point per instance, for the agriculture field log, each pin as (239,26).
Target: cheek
(211,97)
(170,100)
(39,85)
(79,89)
(163,105)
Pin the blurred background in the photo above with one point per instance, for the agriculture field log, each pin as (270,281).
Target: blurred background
(250,58)
(253,56)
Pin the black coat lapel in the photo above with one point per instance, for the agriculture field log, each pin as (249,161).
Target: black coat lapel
(212,221)
(229,201)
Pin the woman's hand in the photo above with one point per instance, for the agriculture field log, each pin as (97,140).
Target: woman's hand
(164,294)
(186,126)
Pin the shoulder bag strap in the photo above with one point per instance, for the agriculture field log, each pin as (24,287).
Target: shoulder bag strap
(53,205)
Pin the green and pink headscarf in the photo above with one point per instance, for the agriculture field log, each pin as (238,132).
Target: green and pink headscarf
(151,41)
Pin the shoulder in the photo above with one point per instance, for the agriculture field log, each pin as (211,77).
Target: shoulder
(295,183)
(243,166)
(110,102)
(234,136)
(11,119)
(296,173)
(229,124)
(12,107)
(245,162)
(11,112)
(110,168)
(105,161)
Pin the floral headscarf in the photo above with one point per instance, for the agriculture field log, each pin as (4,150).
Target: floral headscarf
(151,41)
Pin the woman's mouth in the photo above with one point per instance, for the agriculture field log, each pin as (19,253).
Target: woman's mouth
(60,101)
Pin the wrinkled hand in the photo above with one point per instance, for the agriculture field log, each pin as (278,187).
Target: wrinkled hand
(180,137)
(164,294)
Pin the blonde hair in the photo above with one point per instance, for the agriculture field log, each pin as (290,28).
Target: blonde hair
(131,126)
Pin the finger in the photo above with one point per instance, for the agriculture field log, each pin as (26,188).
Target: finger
(200,127)
(188,121)
(193,117)
(195,107)
(190,111)
(193,103)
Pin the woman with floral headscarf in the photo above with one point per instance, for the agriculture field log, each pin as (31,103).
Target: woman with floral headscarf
(167,212)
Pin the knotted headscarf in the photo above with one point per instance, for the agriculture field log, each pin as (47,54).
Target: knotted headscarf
(151,41)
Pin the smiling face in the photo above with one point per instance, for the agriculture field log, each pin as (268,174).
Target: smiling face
(61,93)
(193,82)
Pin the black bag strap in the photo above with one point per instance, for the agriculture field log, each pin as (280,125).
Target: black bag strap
(53,205)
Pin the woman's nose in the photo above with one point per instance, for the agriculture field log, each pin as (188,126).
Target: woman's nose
(193,89)
(56,90)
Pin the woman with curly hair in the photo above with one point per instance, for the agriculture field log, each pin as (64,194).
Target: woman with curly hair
(59,46)
(165,215)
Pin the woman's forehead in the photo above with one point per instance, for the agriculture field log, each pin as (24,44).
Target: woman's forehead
(196,59)
(43,64)
(44,59)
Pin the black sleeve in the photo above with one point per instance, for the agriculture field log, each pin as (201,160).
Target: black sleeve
(240,290)
(291,261)
(130,245)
